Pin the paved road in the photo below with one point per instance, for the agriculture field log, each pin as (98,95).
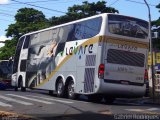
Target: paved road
(39,104)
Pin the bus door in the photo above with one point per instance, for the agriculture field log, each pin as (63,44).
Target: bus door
(23,58)
(16,61)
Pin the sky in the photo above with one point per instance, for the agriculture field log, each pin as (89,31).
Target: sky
(134,8)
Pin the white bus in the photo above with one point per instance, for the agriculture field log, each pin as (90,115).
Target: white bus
(103,56)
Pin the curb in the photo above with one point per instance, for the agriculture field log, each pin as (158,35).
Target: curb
(10,115)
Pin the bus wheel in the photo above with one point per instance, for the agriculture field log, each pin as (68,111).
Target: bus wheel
(50,92)
(60,89)
(109,100)
(95,98)
(16,88)
(23,89)
(71,90)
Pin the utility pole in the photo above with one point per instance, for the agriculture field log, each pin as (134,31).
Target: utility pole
(150,49)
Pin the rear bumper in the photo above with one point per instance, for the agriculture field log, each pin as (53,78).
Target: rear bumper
(122,90)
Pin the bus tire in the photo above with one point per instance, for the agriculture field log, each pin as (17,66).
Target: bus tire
(109,100)
(95,98)
(60,88)
(50,92)
(23,89)
(71,90)
(16,88)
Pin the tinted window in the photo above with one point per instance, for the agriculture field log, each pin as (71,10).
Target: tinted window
(81,30)
(41,37)
(23,65)
(26,43)
(127,26)
(125,58)
(85,29)
(34,39)
(17,54)
(44,36)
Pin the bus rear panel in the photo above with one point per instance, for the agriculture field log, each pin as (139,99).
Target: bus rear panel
(124,57)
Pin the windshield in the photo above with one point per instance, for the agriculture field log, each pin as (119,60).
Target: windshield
(128,26)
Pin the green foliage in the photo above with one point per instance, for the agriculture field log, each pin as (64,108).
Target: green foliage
(81,11)
(27,20)
(156,28)
(8,50)
(156,23)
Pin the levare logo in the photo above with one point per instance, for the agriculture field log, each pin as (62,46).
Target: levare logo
(127,47)
(80,50)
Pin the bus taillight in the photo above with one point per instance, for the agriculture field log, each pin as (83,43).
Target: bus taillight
(146,74)
(101,71)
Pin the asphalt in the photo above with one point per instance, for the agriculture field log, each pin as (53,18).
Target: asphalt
(85,116)
(143,100)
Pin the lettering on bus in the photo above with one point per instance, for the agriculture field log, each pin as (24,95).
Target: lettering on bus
(125,69)
(127,47)
(139,78)
(122,69)
(79,50)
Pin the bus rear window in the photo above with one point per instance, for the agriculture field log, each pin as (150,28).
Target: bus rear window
(125,58)
(127,26)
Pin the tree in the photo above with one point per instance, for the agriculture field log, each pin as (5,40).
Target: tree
(8,50)
(81,11)
(156,28)
(156,23)
(27,20)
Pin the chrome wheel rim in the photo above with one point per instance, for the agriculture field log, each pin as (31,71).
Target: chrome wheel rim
(59,88)
(71,89)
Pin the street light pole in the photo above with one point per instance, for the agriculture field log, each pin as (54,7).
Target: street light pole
(151,51)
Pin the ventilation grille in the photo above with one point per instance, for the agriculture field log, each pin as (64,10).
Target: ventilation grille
(125,58)
(89,80)
(90,60)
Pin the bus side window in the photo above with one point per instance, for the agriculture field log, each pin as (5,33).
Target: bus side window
(23,65)
(27,41)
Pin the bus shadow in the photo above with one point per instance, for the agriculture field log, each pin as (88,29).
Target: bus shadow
(81,116)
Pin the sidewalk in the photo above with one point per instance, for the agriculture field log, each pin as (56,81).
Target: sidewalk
(14,116)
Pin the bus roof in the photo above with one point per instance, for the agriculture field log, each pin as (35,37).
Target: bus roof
(72,22)
(68,23)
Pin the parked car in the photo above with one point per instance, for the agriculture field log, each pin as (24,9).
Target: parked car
(5,84)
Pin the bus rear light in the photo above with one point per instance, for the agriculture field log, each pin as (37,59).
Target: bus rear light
(146,75)
(101,71)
